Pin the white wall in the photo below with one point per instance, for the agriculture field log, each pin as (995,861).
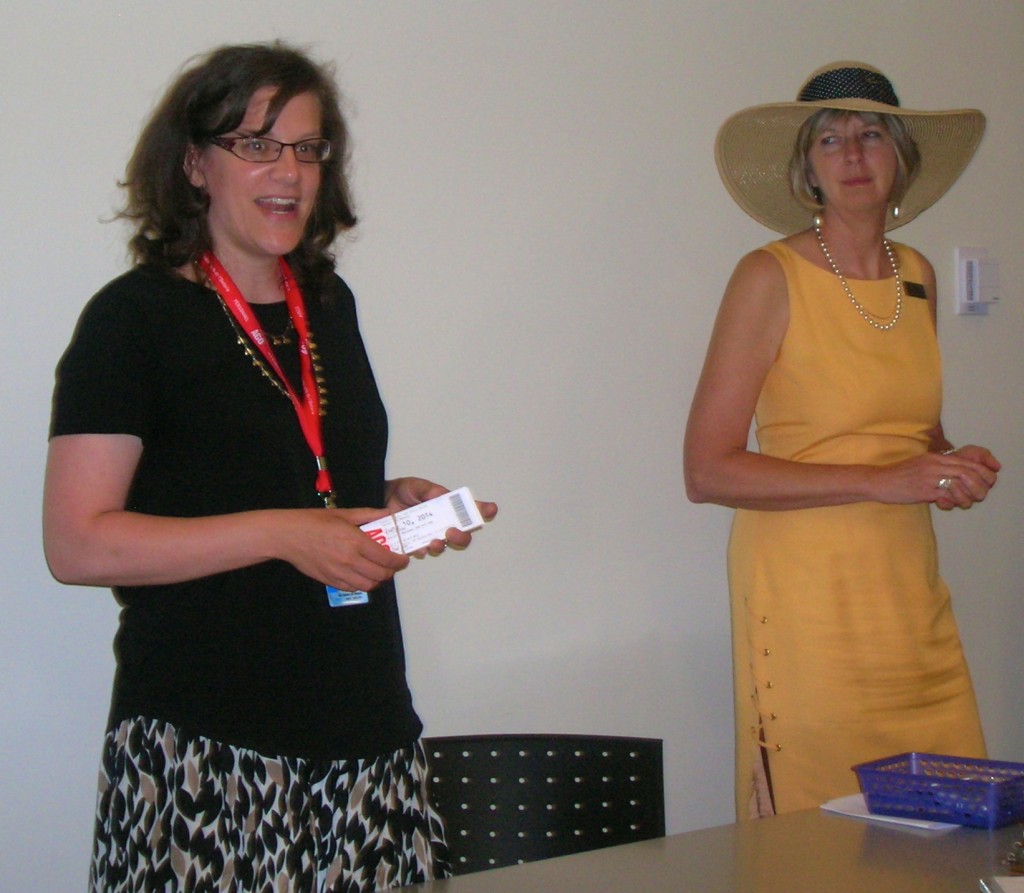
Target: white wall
(543,245)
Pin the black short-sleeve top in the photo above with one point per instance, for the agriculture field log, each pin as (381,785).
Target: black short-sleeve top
(254,657)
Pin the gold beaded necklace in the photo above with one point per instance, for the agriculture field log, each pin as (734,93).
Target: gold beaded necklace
(284,338)
(277,340)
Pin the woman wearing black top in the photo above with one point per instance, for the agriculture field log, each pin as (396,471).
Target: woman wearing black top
(217,440)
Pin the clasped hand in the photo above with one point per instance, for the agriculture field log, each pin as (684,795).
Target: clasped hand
(949,480)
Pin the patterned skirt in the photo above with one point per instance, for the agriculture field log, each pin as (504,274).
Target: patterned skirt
(190,814)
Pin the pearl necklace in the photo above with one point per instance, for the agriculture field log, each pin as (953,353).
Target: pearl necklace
(867,317)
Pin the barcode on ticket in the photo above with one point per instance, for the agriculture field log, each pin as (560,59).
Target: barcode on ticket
(460,510)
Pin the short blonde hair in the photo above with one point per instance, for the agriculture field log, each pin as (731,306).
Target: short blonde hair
(908,157)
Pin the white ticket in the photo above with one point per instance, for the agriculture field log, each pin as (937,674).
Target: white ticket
(414,528)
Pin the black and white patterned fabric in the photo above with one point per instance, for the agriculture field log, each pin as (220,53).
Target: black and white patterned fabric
(849,83)
(190,814)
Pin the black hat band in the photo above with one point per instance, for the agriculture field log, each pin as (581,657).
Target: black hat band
(849,83)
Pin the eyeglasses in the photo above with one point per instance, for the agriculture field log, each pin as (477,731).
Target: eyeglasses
(263,150)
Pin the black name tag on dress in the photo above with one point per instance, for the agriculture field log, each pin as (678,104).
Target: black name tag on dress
(914,290)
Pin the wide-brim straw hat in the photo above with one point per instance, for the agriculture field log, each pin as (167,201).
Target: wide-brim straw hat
(754,146)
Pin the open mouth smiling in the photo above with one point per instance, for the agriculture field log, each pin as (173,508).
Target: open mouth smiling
(278,205)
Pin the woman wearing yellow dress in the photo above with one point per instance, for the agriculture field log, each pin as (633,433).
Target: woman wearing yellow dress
(844,641)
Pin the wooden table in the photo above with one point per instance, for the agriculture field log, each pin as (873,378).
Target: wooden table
(802,852)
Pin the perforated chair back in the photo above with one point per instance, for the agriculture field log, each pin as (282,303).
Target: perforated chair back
(519,798)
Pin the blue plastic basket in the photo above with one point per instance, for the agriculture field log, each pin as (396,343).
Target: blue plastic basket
(959,790)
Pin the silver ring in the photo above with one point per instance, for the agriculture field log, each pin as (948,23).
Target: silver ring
(945,483)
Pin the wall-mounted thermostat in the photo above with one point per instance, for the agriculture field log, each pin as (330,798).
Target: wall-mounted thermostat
(977,281)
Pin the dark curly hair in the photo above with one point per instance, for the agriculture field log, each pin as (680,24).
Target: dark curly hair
(209,98)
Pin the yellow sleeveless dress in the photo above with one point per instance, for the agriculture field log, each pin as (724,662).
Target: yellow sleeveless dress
(844,642)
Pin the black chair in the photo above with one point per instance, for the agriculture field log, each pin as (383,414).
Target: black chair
(519,798)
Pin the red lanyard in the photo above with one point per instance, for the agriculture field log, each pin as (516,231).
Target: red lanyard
(308,407)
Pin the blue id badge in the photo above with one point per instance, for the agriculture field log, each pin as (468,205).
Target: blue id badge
(338,598)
